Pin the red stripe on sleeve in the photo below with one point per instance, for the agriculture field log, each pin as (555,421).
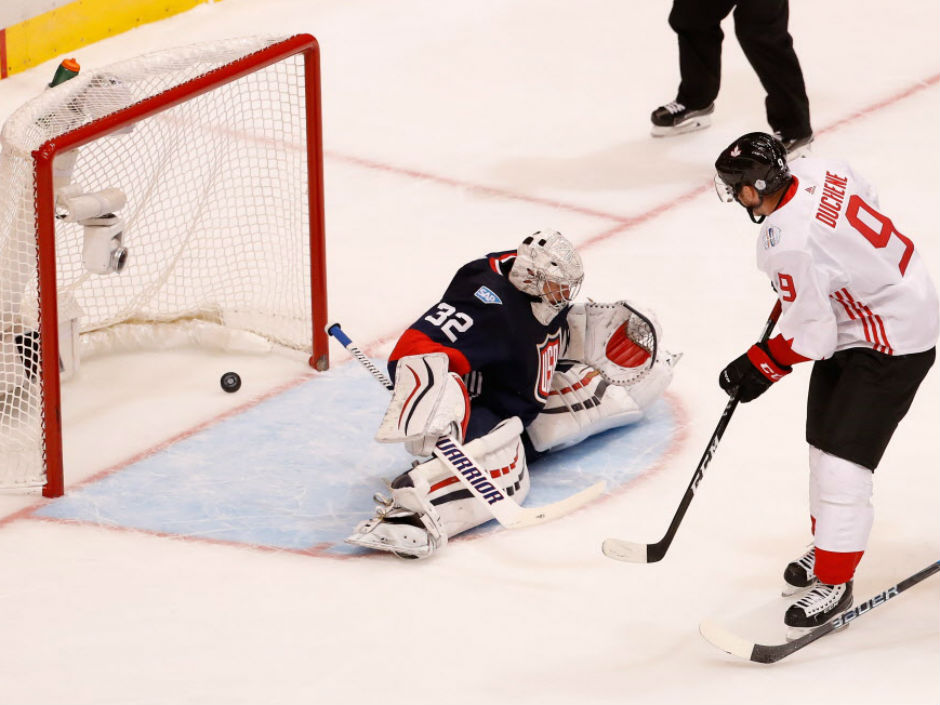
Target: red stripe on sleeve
(414,342)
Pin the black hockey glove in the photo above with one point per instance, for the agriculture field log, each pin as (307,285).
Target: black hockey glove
(751,375)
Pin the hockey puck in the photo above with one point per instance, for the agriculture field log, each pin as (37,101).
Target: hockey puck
(231,382)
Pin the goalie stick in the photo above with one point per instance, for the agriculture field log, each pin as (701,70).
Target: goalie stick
(761,653)
(621,550)
(453,454)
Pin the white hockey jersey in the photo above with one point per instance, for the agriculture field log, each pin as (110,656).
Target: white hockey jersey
(845,276)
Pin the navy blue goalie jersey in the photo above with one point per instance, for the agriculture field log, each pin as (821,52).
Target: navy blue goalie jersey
(486,327)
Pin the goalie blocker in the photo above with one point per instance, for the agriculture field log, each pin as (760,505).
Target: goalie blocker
(503,367)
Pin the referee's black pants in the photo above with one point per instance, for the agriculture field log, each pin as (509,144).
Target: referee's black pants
(761,29)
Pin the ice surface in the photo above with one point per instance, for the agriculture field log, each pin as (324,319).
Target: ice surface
(453,129)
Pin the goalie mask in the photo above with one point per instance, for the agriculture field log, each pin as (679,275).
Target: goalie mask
(548,268)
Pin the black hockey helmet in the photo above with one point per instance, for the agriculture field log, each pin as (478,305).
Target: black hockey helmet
(755,159)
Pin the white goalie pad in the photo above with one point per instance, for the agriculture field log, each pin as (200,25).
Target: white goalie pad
(616,339)
(583,403)
(428,504)
(500,453)
(428,402)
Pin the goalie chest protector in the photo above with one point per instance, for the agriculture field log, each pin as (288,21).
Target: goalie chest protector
(510,355)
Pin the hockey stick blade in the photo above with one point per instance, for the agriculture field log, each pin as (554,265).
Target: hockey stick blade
(453,454)
(630,552)
(763,653)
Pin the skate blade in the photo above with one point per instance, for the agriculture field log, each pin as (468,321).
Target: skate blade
(692,125)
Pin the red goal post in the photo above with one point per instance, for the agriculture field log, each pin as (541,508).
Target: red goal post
(210,159)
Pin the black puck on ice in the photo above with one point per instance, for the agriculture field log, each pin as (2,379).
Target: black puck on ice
(231,382)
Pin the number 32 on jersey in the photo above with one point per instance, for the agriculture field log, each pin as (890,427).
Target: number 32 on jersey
(450,321)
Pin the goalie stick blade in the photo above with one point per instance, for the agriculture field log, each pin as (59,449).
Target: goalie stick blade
(530,516)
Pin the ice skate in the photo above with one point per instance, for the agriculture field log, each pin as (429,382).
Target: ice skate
(818,606)
(796,146)
(799,573)
(676,119)
(398,530)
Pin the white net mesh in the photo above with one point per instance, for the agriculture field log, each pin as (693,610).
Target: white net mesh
(215,223)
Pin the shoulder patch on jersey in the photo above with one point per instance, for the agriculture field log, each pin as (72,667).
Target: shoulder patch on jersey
(487,295)
(772,237)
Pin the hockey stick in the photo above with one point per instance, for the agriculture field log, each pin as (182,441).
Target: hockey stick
(760,653)
(335,330)
(651,552)
(454,456)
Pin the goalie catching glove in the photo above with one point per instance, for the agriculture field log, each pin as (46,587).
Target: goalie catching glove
(616,339)
(752,373)
(428,403)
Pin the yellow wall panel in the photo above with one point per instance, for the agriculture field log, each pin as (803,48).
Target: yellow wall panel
(80,23)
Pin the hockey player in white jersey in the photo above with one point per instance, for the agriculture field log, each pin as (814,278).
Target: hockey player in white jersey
(858,300)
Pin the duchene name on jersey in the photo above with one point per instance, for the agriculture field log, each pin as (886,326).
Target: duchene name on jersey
(830,204)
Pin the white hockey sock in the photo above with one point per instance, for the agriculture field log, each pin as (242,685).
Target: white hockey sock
(840,500)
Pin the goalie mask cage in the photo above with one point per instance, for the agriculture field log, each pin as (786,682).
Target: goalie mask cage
(217,151)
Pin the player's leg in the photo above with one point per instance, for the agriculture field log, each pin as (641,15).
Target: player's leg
(857,398)
(761,29)
(697,24)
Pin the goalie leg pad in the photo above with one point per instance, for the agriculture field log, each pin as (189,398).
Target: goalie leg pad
(581,404)
(429,504)
(499,452)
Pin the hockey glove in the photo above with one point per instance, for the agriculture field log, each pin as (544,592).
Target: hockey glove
(428,402)
(751,375)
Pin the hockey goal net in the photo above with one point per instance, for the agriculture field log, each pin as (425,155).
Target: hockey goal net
(179,187)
